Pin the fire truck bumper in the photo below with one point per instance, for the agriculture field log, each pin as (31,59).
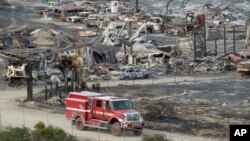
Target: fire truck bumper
(133,125)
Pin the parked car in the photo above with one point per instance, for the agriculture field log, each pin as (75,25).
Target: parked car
(52,4)
(84,14)
(92,21)
(75,19)
(129,72)
(41,9)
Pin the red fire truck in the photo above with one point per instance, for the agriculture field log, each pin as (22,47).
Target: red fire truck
(89,109)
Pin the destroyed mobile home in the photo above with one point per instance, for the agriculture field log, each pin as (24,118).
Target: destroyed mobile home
(123,39)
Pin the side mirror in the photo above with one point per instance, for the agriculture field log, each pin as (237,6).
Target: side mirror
(133,105)
(109,107)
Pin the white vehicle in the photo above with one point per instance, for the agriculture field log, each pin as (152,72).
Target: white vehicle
(52,4)
(127,72)
(92,21)
(84,14)
(75,19)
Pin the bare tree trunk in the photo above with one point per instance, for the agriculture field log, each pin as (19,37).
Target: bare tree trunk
(66,85)
(168,2)
(184,3)
(29,82)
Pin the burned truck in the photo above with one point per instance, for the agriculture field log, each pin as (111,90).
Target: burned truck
(15,74)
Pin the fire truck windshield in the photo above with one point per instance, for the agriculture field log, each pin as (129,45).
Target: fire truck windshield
(122,105)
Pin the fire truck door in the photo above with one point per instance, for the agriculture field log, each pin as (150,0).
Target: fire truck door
(98,110)
(106,110)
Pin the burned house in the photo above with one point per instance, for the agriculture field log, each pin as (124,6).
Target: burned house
(15,40)
(66,10)
(184,26)
(145,54)
(101,55)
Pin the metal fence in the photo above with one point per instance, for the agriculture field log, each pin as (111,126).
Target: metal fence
(192,123)
(174,78)
(55,89)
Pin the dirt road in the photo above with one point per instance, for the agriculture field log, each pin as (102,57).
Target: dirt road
(12,115)
(27,118)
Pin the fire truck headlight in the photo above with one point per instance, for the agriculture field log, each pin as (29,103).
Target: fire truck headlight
(125,119)
(122,119)
(141,119)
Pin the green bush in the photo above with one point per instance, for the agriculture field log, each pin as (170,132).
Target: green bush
(51,133)
(40,133)
(84,85)
(98,85)
(15,134)
(40,125)
(154,137)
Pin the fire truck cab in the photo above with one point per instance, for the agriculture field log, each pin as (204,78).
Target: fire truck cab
(89,109)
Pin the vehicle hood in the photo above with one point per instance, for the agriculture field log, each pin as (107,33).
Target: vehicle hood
(123,112)
(115,72)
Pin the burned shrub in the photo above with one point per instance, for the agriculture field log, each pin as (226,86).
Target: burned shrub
(160,110)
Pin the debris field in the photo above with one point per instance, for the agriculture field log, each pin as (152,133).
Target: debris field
(68,43)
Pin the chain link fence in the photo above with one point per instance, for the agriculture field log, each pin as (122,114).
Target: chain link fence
(192,116)
(174,78)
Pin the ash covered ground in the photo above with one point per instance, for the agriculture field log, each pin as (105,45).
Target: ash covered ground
(203,109)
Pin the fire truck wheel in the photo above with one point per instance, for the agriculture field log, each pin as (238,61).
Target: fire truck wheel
(73,122)
(79,124)
(116,129)
(137,132)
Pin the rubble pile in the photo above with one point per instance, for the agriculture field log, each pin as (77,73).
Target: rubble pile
(4,3)
(44,38)
(115,40)
(54,101)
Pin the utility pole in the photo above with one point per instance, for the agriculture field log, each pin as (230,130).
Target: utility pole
(225,46)
(194,45)
(234,40)
(130,34)
(130,29)
(205,40)
(125,51)
(136,6)
(216,47)
(248,33)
